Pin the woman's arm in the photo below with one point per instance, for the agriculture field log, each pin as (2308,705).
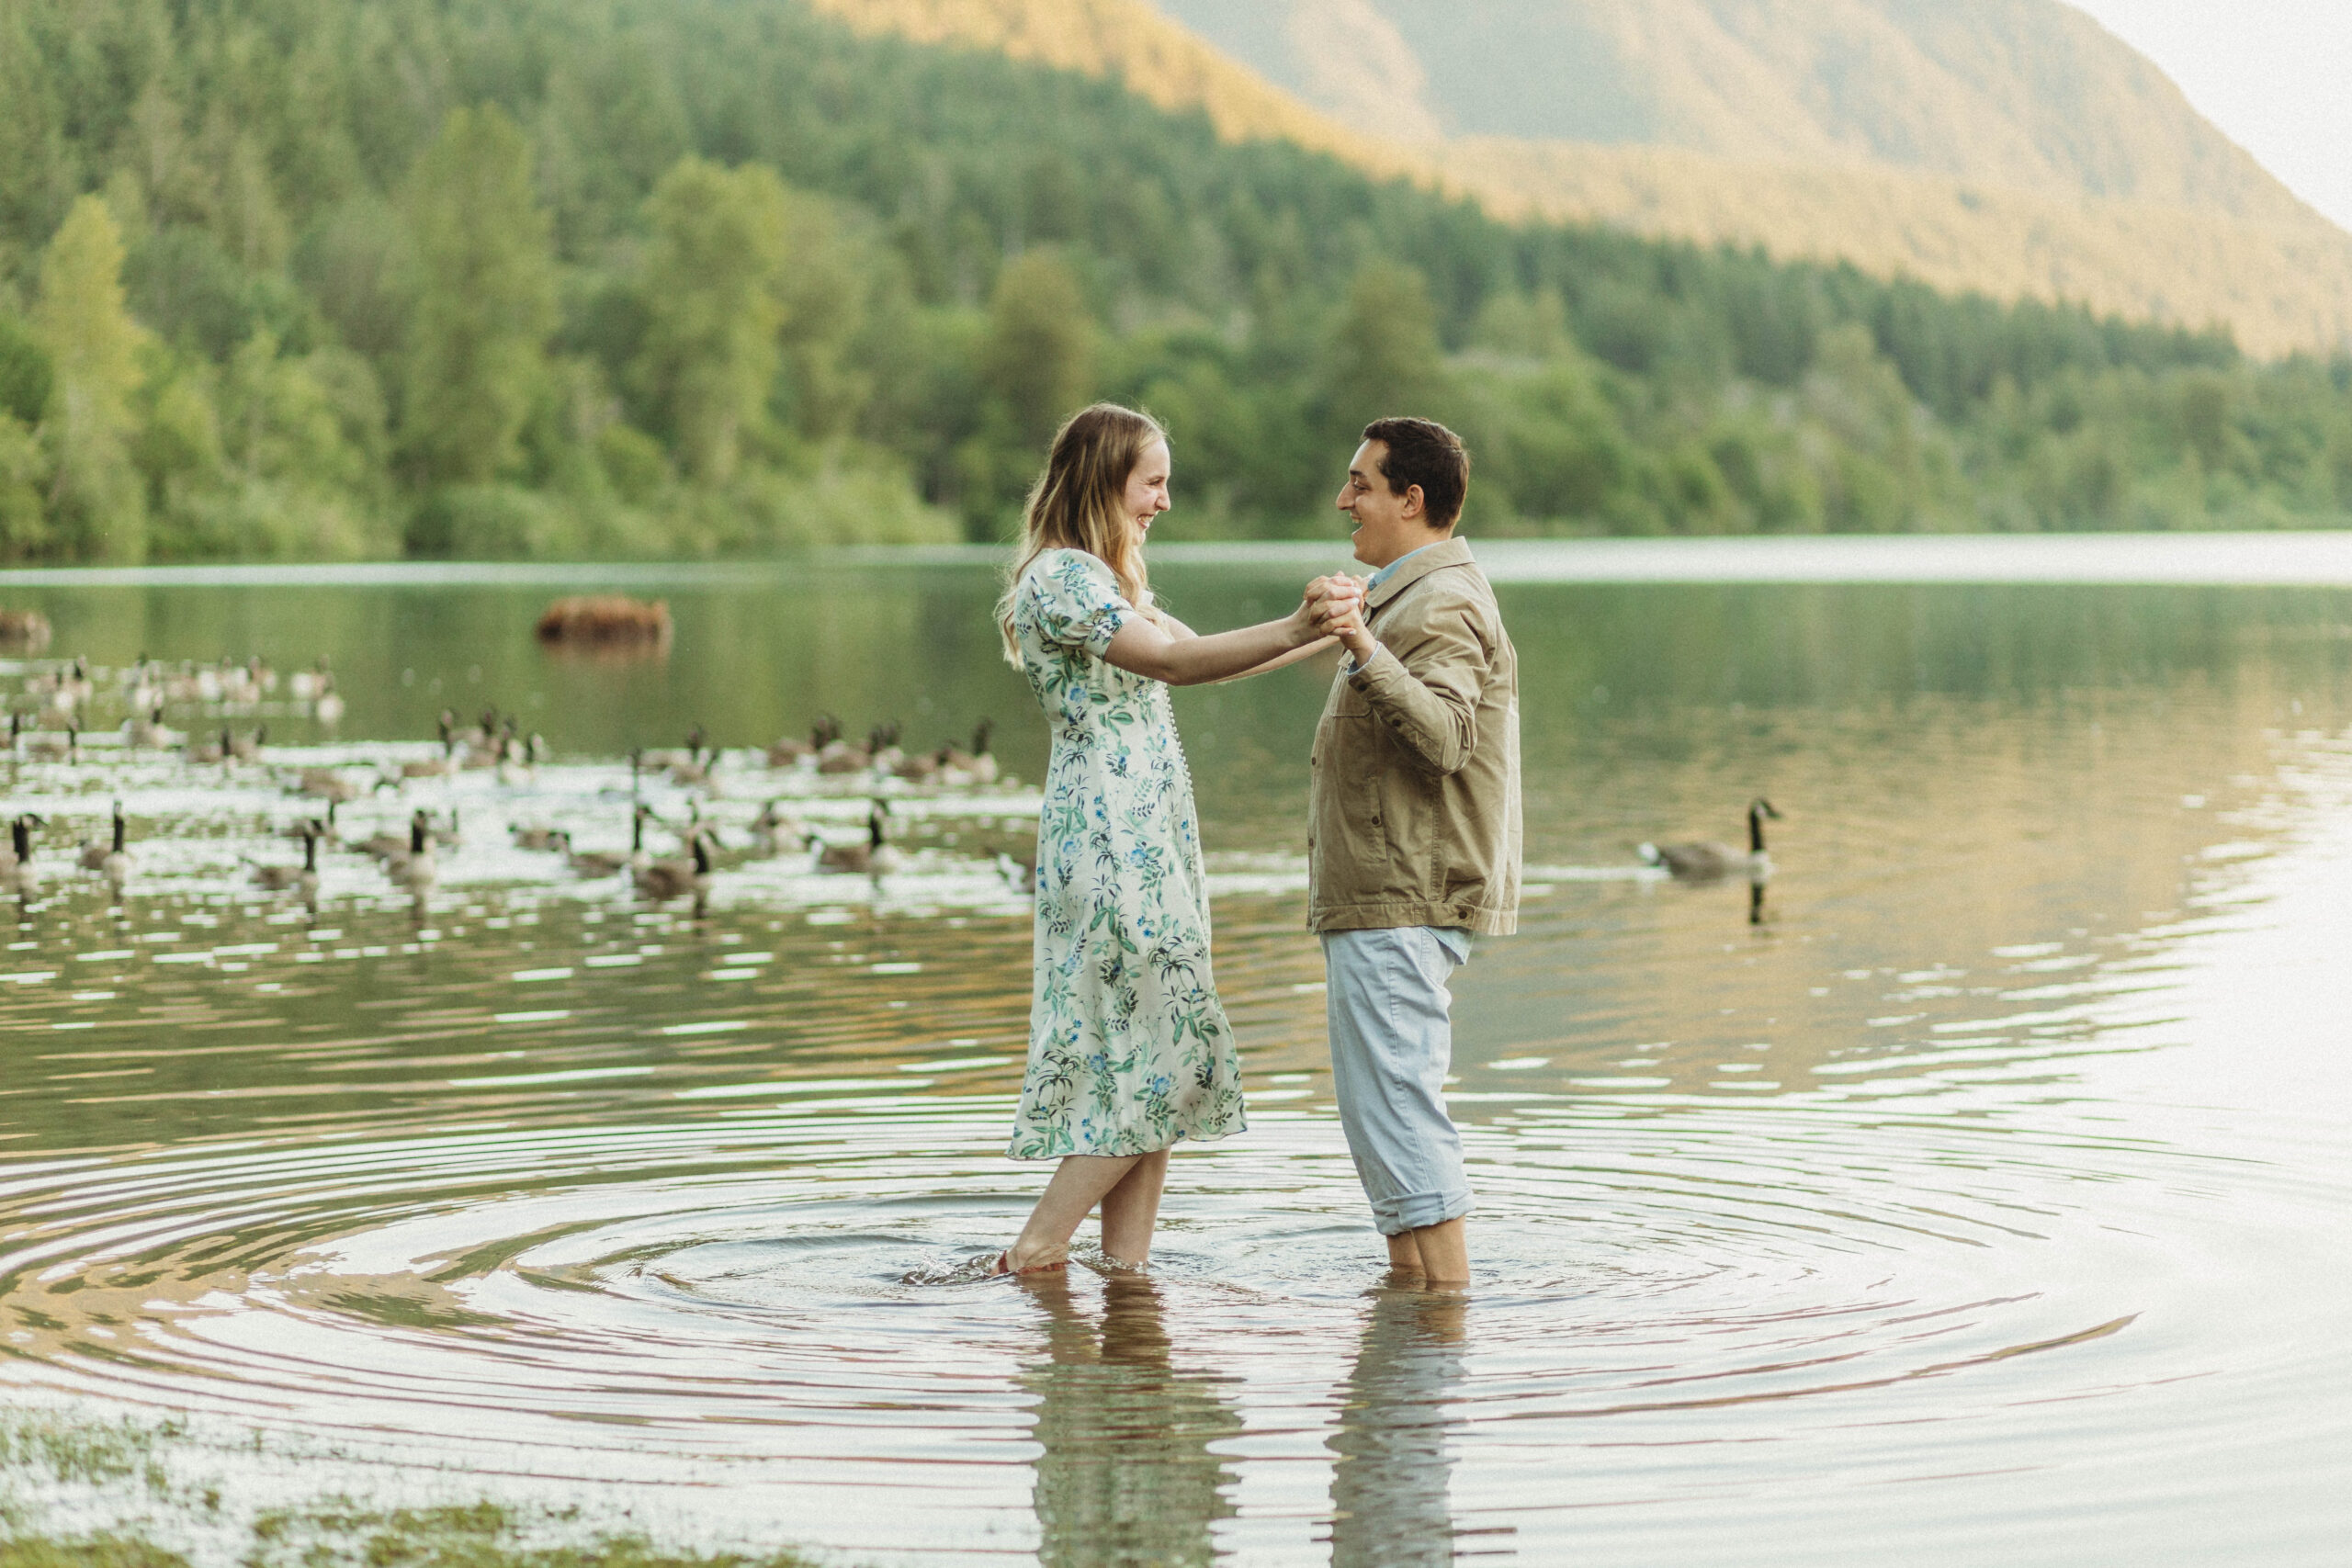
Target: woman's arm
(1285,661)
(1145,646)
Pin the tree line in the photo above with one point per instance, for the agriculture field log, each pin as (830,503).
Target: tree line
(333,278)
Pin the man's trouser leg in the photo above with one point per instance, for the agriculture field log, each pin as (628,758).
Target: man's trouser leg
(1392,1043)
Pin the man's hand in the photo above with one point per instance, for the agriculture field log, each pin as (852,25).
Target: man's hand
(1326,600)
(1340,613)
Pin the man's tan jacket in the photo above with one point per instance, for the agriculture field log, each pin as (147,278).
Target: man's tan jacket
(1413,813)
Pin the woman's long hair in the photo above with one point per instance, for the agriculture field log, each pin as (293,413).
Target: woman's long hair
(1076,503)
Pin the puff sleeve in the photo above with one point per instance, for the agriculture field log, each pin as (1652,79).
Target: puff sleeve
(1074,600)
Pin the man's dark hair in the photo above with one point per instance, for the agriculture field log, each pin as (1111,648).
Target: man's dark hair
(1423,452)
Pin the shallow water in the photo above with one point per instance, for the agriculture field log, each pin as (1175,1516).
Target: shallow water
(1980,1202)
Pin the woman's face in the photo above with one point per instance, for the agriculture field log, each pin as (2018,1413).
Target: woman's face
(1146,493)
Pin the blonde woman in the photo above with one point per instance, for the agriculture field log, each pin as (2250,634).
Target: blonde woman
(1129,1046)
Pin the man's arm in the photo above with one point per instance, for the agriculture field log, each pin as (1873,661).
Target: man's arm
(1429,696)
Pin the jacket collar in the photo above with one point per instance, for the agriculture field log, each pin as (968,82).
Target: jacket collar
(1436,558)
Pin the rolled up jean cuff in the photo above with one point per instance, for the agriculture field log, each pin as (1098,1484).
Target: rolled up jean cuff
(1419,1211)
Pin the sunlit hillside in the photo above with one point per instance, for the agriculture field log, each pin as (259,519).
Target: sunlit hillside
(2011,147)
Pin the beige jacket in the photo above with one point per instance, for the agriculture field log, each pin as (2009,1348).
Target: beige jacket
(1413,810)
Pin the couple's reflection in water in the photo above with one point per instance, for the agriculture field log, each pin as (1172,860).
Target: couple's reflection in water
(1131,1470)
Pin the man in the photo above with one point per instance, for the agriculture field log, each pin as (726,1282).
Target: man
(1414,839)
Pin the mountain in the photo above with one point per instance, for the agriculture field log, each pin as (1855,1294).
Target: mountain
(2011,147)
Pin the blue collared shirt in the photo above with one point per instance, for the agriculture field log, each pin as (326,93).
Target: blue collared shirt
(1385,573)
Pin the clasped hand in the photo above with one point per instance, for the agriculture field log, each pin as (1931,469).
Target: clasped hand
(1334,605)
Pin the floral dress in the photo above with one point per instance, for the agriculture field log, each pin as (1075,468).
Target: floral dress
(1129,1046)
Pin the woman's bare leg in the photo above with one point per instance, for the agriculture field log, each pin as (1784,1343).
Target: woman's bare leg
(1080,1182)
(1131,1208)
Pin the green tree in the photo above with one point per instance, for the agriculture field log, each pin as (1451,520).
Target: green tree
(710,355)
(1038,357)
(93,346)
(485,300)
(1385,355)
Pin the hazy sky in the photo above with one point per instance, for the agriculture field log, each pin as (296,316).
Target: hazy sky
(2276,75)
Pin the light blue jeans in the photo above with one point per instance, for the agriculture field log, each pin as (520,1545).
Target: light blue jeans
(1392,1042)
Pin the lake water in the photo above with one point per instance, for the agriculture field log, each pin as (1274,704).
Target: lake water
(1981,1200)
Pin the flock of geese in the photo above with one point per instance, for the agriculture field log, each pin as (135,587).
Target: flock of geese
(52,716)
(51,723)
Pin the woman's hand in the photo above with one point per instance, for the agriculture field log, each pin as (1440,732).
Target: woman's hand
(1328,601)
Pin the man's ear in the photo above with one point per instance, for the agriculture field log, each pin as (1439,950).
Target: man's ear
(1415,503)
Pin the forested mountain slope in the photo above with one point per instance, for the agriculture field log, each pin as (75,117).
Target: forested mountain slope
(2011,146)
(335,278)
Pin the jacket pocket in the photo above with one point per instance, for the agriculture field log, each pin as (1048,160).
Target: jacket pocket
(1350,841)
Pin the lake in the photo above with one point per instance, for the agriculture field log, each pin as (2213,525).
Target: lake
(1977,1196)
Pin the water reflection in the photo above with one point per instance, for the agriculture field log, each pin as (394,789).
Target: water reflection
(1126,1473)
(1899,1215)
(1391,1477)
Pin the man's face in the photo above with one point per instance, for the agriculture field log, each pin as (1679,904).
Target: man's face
(1388,527)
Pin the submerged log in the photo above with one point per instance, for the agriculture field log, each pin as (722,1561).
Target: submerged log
(26,630)
(611,620)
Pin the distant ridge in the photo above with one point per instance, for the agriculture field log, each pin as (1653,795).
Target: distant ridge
(1905,137)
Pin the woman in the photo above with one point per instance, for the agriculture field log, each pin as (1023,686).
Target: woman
(1128,1048)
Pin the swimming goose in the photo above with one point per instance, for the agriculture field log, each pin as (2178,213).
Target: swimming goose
(674,878)
(326,827)
(21,873)
(840,757)
(604,863)
(327,707)
(113,863)
(303,878)
(875,857)
(416,867)
(150,731)
(774,826)
(248,747)
(325,783)
(204,753)
(49,745)
(1706,861)
(976,766)
(790,753)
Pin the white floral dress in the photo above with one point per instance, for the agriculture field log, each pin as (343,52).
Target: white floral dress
(1129,1046)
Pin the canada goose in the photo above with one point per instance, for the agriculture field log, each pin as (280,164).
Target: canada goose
(840,757)
(248,747)
(49,745)
(539,838)
(417,866)
(1707,861)
(309,685)
(325,783)
(324,827)
(204,753)
(303,878)
(520,764)
(115,862)
(151,730)
(976,766)
(327,707)
(435,767)
(19,870)
(875,857)
(487,748)
(790,753)
(774,826)
(604,863)
(674,878)
(883,745)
